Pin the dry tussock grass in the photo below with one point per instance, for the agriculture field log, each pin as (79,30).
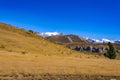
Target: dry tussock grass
(17,42)
(39,64)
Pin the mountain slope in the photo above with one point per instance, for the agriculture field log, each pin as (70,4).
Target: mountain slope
(66,39)
(71,41)
(20,40)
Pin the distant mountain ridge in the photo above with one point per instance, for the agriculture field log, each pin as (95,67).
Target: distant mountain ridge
(51,34)
(103,41)
(65,39)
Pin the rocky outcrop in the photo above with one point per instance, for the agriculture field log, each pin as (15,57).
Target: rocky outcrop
(90,49)
(118,51)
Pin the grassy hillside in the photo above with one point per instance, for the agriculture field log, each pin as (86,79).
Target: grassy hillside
(13,39)
(25,55)
(23,41)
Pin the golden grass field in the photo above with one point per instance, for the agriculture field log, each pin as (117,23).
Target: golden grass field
(35,64)
(25,53)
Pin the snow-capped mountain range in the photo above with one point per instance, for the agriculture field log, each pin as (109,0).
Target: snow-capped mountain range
(103,41)
(47,34)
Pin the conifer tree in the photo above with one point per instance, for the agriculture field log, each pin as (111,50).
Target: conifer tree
(111,53)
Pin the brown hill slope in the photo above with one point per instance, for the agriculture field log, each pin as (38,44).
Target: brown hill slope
(20,40)
(66,39)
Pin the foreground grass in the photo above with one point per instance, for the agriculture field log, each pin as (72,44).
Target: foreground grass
(35,64)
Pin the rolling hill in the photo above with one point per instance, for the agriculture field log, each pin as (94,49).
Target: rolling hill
(25,55)
(20,40)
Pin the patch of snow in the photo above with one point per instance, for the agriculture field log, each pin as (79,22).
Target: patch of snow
(46,34)
(100,41)
(107,40)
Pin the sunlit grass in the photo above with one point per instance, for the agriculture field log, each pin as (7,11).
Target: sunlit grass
(40,64)
(30,54)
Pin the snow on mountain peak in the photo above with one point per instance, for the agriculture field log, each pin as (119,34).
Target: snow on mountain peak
(46,34)
(98,41)
(101,41)
(107,40)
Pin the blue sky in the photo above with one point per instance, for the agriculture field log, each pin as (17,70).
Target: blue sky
(87,18)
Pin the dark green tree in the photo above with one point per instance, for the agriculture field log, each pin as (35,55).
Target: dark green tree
(111,53)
